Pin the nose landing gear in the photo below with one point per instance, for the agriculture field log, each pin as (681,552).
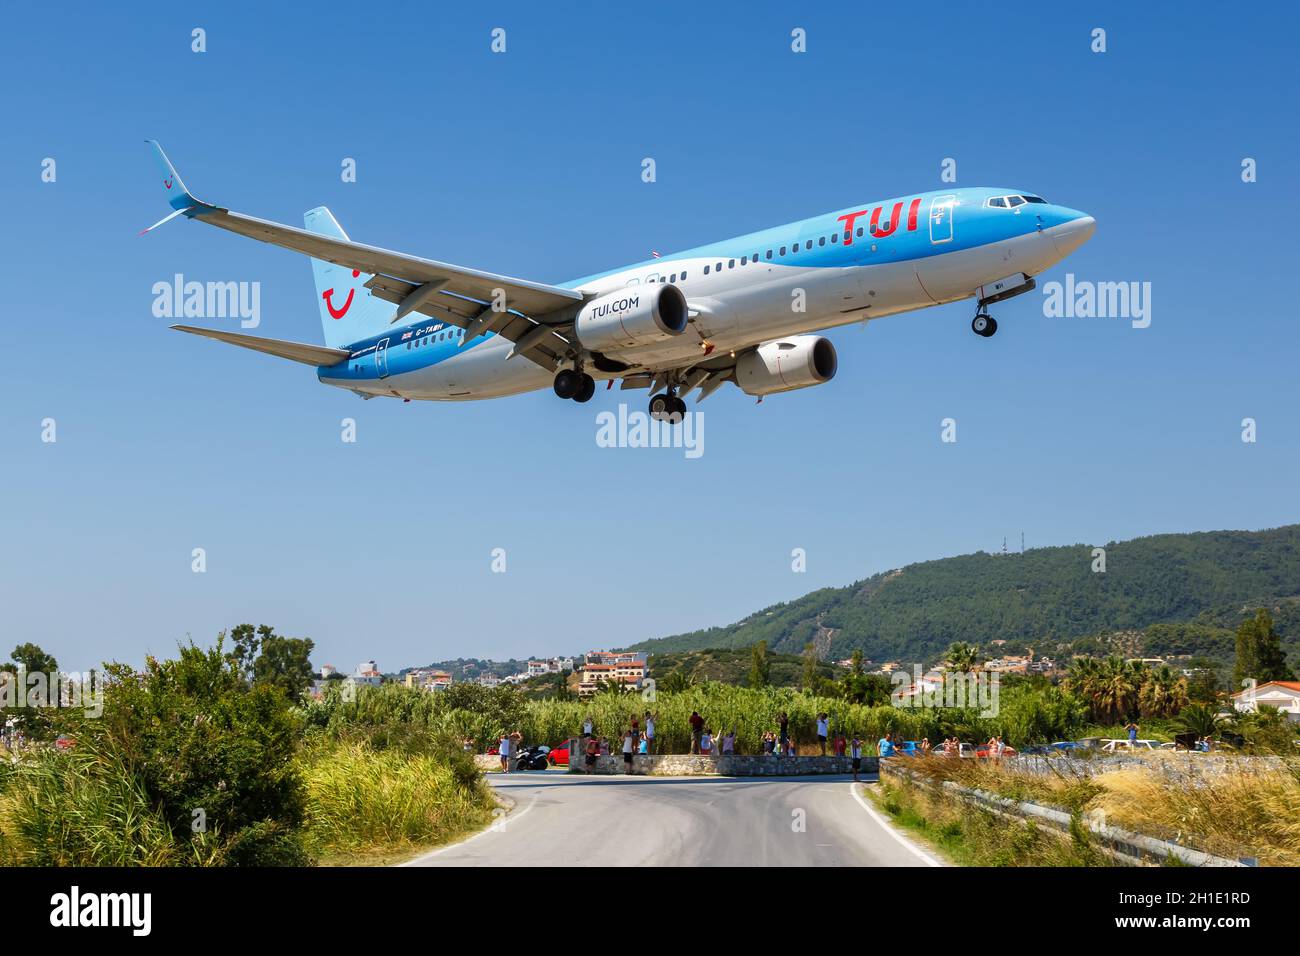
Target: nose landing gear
(667,407)
(983,324)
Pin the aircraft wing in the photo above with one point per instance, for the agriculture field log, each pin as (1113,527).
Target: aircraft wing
(536,315)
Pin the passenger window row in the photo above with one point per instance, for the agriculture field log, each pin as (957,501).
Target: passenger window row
(782,251)
(436,337)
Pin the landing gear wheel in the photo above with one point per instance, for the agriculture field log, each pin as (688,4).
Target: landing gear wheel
(567,382)
(586,389)
(661,406)
(983,324)
(678,411)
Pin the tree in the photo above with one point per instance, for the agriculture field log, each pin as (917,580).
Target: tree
(810,676)
(33,659)
(198,737)
(1162,693)
(855,662)
(260,656)
(285,662)
(962,656)
(1259,651)
(677,682)
(1199,719)
(760,668)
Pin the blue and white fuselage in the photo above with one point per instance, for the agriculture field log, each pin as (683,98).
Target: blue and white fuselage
(416,329)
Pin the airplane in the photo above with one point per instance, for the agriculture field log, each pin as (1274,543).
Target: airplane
(742,310)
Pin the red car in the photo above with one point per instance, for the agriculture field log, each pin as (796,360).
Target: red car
(982,752)
(559,755)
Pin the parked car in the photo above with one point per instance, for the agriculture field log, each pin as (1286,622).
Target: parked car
(908,748)
(964,750)
(559,755)
(1120,746)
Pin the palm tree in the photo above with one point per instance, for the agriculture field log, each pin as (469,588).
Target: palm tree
(962,656)
(1081,680)
(1200,719)
(677,682)
(1163,693)
(1116,688)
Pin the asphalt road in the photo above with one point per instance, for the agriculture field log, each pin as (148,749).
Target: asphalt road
(560,819)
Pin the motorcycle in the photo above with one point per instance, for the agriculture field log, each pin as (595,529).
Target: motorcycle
(532,758)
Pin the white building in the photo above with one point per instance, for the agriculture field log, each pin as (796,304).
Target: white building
(1282,694)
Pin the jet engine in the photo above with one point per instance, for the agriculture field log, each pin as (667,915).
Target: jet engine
(786,364)
(632,316)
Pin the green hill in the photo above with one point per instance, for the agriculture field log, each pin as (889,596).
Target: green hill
(731,666)
(1044,597)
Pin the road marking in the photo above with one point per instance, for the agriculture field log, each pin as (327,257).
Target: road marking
(888,827)
(472,837)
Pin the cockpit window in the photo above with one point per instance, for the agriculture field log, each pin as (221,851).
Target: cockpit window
(1011,202)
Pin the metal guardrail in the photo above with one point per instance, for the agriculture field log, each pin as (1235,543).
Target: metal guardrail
(1133,847)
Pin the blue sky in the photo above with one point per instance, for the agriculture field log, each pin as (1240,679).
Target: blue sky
(528,164)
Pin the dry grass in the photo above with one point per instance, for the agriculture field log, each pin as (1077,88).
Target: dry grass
(1243,811)
(1232,814)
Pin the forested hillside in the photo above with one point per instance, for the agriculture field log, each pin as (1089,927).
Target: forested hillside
(1040,598)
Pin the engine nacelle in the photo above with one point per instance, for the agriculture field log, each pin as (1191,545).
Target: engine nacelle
(786,364)
(633,316)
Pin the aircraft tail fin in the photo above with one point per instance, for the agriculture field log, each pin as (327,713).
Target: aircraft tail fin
(349,312)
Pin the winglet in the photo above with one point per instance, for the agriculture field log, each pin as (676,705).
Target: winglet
(178,197)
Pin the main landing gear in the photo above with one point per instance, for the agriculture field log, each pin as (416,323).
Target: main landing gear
(667,407)
(983,324)
(570,383)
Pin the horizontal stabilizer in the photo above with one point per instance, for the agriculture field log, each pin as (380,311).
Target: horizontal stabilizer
(316,355)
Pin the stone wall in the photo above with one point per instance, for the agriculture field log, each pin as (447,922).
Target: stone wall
(1181,767)
(731,765)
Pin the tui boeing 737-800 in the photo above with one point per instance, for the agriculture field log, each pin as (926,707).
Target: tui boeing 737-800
(742,310)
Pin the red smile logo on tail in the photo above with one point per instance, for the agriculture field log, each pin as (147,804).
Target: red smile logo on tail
(167,183)
(347,303)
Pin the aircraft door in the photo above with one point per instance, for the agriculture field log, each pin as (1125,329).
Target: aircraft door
(381,358)
(941,219)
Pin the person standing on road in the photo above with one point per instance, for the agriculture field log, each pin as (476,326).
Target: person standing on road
(783,723)
(823,731)
(503,749)
(697,728)
(650,720)
(629,739)
(855,752)
(885,746)
(592,752)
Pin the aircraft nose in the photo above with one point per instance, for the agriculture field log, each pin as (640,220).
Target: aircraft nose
(1073,233)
